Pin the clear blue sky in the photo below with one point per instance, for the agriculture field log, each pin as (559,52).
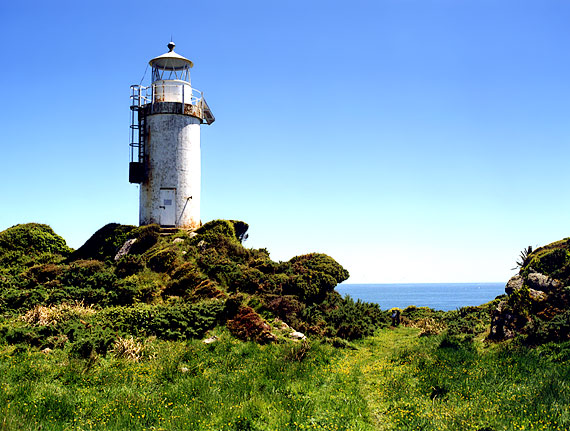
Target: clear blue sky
(412,140)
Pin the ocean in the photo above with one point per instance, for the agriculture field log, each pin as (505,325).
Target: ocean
(439,296)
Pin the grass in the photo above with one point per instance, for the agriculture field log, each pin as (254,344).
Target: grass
(394,380)
(228,385)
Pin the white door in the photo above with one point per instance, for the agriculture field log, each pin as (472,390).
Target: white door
(167,207)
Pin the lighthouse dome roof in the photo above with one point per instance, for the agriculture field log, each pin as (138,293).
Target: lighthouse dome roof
(171,60)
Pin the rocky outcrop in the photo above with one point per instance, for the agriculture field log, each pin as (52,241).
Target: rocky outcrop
(537,296)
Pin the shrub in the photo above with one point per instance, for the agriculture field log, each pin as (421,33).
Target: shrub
(248,325)
(163,260)
(344,317)
(174,321)
(322,263)
(215,228)
(146,237)
(103,244)
(57,314)
(207,290)
(129,265)
(287,307)
(128,348)
(185,278)
(32,239)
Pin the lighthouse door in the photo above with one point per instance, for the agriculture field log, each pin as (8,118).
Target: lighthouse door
(167,207)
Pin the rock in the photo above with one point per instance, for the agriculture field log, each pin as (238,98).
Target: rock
(538,281)
(281,324)
(210,340)
(505,323)
(537,295)
(184,369)
(124,250)
(515,283)
(192,234)
(177,240)
(297,335)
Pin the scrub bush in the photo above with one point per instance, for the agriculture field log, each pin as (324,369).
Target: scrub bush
(103,244)
(32,239)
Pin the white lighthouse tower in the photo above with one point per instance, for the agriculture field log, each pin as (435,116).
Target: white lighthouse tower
(165,143)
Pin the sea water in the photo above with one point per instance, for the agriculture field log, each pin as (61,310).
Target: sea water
(439,296)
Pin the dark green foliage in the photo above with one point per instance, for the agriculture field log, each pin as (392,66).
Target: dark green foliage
(211,231)
(85,340)
(185,279)
(146,237)
(543,331)
(320,263)
(129,265)
(25,245)
(163,260)
(415,313)
(103,244)
(553,263)
(179,321)
(240,229)
(316,274)
(175,287)
(32,239)
(343,317)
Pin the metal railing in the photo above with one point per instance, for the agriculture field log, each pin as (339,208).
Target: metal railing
(191,102)
(165,92)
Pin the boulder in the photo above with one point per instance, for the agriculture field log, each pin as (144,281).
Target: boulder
(538,281)
(537,295)
(515,283)
(210,340)
(125,248)
(505,322)
(295,335)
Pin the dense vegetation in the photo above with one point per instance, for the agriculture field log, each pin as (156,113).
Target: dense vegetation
(134,282)
(138,330)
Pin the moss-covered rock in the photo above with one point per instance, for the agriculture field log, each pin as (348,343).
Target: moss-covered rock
(538,297)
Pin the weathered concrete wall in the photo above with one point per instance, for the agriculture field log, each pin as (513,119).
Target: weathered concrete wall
(172,153)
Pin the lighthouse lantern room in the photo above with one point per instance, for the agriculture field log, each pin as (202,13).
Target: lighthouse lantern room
(165,143)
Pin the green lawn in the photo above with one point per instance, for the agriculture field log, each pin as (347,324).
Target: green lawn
(392,381)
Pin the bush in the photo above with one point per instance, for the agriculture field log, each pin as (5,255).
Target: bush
(32,239)
(103,244)
(163,260)
(322,263)
(146,237)
(129,265)
(174,322)
(248,325)
(344,317)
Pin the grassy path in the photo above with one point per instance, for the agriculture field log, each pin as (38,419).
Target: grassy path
(378,373)
(413,383)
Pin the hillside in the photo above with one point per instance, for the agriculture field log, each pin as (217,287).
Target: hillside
(138,281)
(192,330)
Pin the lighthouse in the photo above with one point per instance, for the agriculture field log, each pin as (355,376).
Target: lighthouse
(165,143)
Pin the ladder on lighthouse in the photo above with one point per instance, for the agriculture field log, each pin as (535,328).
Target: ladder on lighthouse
(137,138)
